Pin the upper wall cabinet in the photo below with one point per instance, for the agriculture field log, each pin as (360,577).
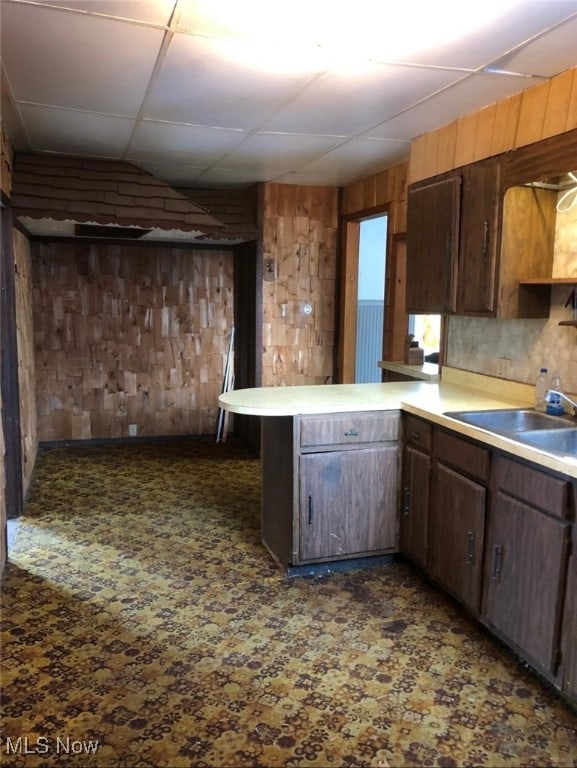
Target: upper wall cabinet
(433,216)
(452,238)
(474,234)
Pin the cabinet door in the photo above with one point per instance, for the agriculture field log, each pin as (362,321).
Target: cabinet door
(526,558)
(432,246)
(478,239)
(415,504)
(348,502)
(457,526)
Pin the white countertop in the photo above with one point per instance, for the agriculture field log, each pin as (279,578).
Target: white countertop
(430,400)
(426,371)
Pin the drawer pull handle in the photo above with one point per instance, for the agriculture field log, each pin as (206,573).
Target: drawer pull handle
(470,558)
(352,432)
(497,563)
(416,435)
(310,510)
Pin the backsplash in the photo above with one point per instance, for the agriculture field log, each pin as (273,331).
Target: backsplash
(484,345)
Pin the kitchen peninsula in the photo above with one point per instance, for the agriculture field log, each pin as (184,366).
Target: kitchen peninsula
(369,470)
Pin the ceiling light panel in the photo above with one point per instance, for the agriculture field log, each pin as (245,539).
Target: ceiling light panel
(199,84)
(103,52)
(420,31)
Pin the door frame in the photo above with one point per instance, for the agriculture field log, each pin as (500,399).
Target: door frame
(9,370)
(395,322)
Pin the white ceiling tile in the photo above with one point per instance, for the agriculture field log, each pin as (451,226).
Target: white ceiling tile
(471,93)
(150,11)
(191,144)
(200,83)
(278,152)
(230,177)
(493,38)
(83,133)
(77,61)
(548,55)
(361,157)
(337,104)
(327,177)
(175,174)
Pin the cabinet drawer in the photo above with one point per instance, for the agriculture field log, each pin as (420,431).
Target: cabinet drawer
(345,428)
(534,486)
(473,460)
(418,432)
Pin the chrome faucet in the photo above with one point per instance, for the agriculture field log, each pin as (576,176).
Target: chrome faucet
(563,396)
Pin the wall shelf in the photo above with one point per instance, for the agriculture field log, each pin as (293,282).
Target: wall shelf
(536,293)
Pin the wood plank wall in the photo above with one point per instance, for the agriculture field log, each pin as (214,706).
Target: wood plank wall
(6,163)
(129,334)
(545,110)
(26,361)
(299,265)
(387,188)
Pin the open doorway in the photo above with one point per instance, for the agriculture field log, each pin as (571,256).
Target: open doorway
(370,299)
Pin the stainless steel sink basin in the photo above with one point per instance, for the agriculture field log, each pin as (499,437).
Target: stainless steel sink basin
(512,420)
(552,440)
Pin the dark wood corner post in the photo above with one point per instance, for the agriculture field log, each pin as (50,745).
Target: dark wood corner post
(9,369)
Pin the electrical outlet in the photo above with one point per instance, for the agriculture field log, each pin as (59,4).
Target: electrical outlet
(132,430)
(503,367)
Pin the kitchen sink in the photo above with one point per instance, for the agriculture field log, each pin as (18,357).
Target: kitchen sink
(512,420)
(551,440)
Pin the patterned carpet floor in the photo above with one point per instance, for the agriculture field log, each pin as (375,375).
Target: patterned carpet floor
(143,624)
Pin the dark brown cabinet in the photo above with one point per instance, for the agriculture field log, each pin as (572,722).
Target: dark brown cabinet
(457,517)
(479,229)
(453,229)
(471,241)
(526,561)
(330,486)
(433,215)
(415,489)
(348,503)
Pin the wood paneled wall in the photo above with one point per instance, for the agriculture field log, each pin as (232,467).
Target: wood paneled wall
(26,362)
(6,163)
(128,334)
(387,188)
(299,266)
(540,112)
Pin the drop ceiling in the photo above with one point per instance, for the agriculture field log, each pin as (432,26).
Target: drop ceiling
(202,100)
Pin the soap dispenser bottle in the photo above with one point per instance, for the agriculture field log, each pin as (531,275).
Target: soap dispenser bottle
(554,402)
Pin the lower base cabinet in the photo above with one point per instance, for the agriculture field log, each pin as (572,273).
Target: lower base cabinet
(345,497)
(456,535)
(501,539)
(527,553)
(330,486)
